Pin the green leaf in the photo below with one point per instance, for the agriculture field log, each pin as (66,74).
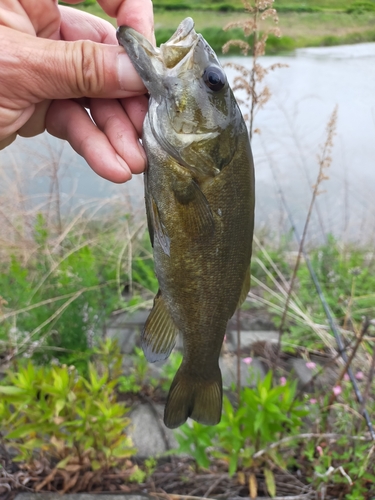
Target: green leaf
(267,382)
(263,395)
(11,390)
(23,430)
(59,405)
(62,464)
(270,481)
(259,419)
(272,408)
(233,461)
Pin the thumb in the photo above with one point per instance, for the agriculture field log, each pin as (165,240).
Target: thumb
(36,69)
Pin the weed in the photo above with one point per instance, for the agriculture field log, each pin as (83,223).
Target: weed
(54,414)
(135,381)
(170,369)
(56,304)
(249,81)
(263,415)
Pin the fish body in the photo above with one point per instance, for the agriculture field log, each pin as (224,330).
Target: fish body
(199,193)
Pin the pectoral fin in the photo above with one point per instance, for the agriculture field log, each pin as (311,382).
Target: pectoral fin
(245,288)
(159,231)
(195,210)
(159,334)
(150,219)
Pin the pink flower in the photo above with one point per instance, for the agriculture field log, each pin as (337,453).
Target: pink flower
(346,377)
(337,390)
(225,338)
(359,376)
(247,361)
(282,380)
(313,401)
(319,449)
(310,365)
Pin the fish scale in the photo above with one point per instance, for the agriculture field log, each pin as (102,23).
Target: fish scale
(199,193)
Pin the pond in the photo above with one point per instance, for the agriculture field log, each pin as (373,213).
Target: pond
(292,129)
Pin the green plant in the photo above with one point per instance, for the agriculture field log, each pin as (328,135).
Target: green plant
(136,379)
(343,463)
(55,304)
(361,7)
(264,414)
(107,356)
(54,413)
(169,370)
(195,439)
(143,266)
(347,279)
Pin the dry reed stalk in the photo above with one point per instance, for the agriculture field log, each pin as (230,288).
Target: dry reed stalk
(66,234)
(249,81)
(291,122)
(324,161)
(347,365)
(310,435)
(296,311)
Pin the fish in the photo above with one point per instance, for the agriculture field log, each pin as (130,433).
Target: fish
(199,196)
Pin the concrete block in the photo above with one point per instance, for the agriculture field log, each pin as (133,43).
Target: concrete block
(250,374)
(148,432)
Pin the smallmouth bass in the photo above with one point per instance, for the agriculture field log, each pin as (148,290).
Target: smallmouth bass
(199,194)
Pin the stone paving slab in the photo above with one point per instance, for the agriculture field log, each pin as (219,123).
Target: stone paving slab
(248,338)
(148,432)
(94,496)
(79,496)
(250,374)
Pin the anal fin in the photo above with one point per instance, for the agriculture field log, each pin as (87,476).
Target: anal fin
(159,333)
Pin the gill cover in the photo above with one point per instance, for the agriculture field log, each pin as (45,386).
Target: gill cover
(191,102)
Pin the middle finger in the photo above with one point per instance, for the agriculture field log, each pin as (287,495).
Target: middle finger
(111,119)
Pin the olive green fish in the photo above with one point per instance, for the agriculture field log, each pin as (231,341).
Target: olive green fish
(199,192)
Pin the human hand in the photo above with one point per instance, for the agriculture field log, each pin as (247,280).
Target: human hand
(55,61)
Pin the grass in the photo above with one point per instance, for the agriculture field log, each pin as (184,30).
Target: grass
(61,277)
(298,29)
(329,25)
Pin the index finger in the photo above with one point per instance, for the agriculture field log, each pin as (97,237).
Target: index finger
(79,25)
(135,13)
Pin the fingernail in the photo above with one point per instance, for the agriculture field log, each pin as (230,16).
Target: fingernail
(127,76)
(124,165)
(143,152)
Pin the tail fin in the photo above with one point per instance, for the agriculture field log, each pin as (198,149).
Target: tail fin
(190,395)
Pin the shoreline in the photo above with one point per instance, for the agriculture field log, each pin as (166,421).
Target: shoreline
(317,28)
(298,29)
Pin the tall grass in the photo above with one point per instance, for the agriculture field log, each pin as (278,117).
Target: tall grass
(64,271)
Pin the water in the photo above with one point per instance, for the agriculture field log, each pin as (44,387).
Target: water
(292,131)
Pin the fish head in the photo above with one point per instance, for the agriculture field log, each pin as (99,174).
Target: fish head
(193,113)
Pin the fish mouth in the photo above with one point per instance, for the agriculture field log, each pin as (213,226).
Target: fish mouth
(152,62)
(180,44)
(129,38)
(182,31)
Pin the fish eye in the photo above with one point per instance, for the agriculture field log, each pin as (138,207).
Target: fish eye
(214,78)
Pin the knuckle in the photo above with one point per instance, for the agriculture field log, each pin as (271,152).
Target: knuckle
(90,72)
